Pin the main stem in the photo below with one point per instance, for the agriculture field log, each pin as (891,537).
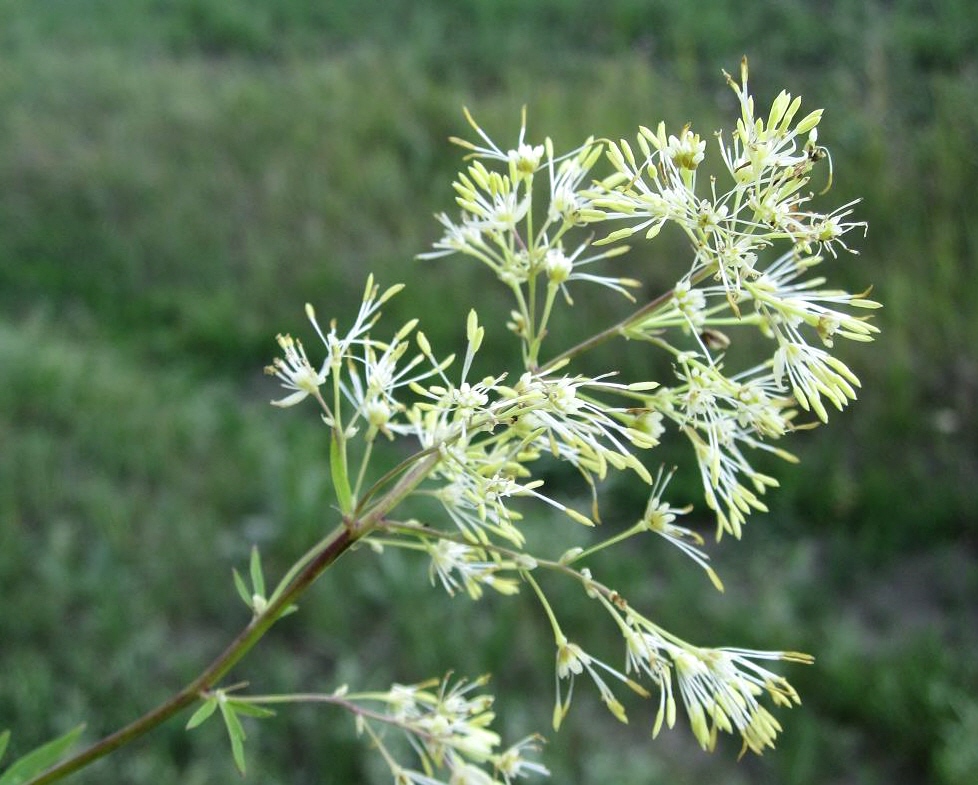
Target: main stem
(334,546)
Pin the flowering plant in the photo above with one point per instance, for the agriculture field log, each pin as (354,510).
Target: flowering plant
(537,219)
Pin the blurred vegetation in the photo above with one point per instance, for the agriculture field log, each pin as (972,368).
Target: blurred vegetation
(180,176)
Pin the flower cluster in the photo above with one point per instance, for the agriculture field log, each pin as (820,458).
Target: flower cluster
(528,253)
(480,443)
(718,687)
(730,284)
(459,565)
(364,372)
(447,725)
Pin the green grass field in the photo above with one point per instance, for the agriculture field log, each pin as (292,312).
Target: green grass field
(179,178)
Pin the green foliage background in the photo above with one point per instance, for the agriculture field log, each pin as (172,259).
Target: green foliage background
(178,178)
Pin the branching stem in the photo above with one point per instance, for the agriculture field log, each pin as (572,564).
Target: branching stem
(618,329)
(329,550)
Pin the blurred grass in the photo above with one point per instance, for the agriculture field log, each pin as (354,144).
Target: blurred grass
(180,177)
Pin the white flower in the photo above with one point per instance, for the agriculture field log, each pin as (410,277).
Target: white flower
(403,700)
(720,687)
(448,557)
(813,374)
(512,765)
(367,316)
(477,503)
(651,423)
(567,199)
(561,268)
(572,661)
(645,652)
(687,150)
(447,722)
(378,413)
(658,518)
(721,465)
(761,145)
(786,301)
(524,160)
(557,266)
(826,231)
(295,371)
(491,198)
(720,416)
(576,428)
(467,398)
(463,237)
(760,404)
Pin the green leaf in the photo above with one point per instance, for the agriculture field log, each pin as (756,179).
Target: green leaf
(257,579)
(235,733)
(39,759)
(206,710)
(239,584)
(237,752)
(4,738)
(337,469)
(250,709)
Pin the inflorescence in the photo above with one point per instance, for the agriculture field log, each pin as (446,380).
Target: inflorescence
(530,216)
